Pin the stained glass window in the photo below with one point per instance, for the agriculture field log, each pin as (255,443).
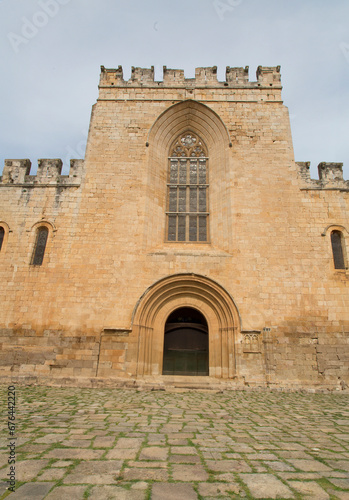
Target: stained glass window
(40,246)
(187,206)
(337,250)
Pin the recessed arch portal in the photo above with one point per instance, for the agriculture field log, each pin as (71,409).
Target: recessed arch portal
(197,292)
(202,121)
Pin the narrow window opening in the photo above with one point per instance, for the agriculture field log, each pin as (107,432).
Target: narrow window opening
(40,246)
(338,249)
(187,194)
(2,236)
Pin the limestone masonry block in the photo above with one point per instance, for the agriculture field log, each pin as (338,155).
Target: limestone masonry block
(50,170)
(268,75)
(173,76)
(237,75)
(15,171)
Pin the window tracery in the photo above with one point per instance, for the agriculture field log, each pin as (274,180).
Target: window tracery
(187,190)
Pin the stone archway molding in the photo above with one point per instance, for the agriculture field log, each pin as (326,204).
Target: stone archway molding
(193,117)
(186,290)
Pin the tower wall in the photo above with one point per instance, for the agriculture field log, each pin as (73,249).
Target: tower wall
(269,242)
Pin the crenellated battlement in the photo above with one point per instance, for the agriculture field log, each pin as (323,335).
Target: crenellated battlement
(237,75)
(268,76)
(204,77)
(330,176)
(49,173)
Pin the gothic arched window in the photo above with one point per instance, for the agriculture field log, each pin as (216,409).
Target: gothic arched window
(40,246)
(187,205)
(338,249)
(2,236)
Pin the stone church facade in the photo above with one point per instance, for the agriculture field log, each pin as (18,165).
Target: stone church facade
(188,247)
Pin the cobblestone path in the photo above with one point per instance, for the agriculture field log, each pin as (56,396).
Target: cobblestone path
(128,445)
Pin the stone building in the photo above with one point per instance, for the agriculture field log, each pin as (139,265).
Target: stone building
(188,248)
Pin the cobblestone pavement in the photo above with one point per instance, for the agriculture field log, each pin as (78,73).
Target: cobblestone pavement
(129,445)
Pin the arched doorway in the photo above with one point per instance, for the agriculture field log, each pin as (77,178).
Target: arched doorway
(186,343)
(180,291)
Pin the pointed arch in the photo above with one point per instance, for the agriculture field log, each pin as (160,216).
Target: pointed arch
(204,122)
(188,114)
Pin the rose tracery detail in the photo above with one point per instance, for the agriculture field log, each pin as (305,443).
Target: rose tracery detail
(188,145)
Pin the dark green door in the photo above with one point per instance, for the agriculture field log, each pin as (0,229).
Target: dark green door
(178,362)
(186,344)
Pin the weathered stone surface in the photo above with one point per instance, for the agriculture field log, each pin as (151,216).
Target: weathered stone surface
(62,463)
(342,495)
(74,453)
(61,492)
(32,491)
(146,474)
(122,453)
(29,469)
(52,474)
(309,465)
(219,489)
(153,453)
(339,464)
(340,483)
(184,459)
(51,438)
(95,472)
(278,466)
(228,465)
(183,450)
(173,492)
(128,443)
(111,492)
(189,473)
(266,486)
(76,443)
(104,442)
(3,487)
(310,490)
(294,417)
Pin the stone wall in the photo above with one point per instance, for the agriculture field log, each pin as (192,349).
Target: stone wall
(269,249)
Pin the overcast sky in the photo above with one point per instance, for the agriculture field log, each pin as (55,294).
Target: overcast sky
(51,52)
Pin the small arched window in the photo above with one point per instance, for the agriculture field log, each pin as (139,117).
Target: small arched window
(40,246)
(337,242)
(187,205)
(2,236)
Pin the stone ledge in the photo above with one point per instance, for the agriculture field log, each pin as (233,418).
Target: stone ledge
(171,384)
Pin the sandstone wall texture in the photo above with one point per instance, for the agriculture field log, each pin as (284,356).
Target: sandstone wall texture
(277,309)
